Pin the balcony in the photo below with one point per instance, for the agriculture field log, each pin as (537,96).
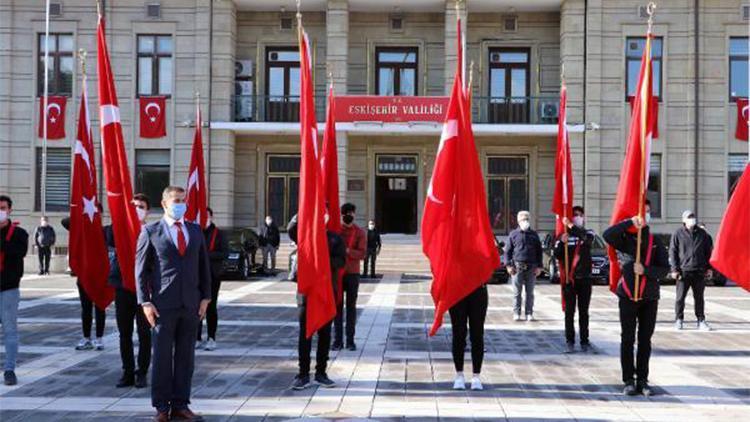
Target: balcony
(515,110)
(269,108)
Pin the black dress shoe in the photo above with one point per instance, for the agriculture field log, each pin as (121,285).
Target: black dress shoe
(337,346)
(9,378)
(161,417)
(351,347)
(140,381)
(126,380)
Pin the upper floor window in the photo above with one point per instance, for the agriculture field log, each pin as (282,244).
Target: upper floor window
(61,63)
(396,70)
(738,59)
(509,85)
(633,53)
(57,180)
(736,165)
(155,65)
(282,84)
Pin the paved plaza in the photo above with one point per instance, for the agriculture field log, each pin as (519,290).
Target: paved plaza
(397,373)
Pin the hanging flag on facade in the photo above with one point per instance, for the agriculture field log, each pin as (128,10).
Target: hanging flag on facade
(743,110)
(54,115)
(153,122)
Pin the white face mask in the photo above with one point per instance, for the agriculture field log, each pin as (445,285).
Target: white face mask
(690,222)
(141,214)
(371,227)
(44,224)
(3,216)
(524,225)
(648,217)
(269,222)
(578,221)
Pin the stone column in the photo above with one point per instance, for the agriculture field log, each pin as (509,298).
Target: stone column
(337,53)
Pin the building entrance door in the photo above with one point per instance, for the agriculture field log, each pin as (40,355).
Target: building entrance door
(396,193)
(282,187)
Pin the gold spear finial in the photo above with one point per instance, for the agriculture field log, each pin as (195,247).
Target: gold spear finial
(299,14)
(650,10)
(82,58)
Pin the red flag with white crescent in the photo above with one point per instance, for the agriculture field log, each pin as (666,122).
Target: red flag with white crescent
(196,185)
(125,223)
(88,255)
(731,253)
(153,123)
(743,115)
(55,117)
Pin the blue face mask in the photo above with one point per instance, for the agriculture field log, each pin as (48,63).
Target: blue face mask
(176,211)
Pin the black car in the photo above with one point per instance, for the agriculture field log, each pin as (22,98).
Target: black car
(240,261)
(599,260)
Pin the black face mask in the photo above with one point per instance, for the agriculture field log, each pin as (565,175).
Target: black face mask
(348,219)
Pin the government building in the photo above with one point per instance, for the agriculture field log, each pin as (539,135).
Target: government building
(391,64)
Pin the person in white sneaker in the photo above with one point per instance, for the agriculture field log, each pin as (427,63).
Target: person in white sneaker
(523,255)
(471,310)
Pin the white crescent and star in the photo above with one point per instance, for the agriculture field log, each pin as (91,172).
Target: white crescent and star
(745,111)
(148,107)
(55,106)
(89,207)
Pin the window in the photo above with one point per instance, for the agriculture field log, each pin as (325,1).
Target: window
(282,84)
(738,58)
(654,185)
(58,179)
(507,190)
(154,65)
(737,163)
(152,173)
(633,52)
(61,64)
(509,85)
(282,187)
(396,70)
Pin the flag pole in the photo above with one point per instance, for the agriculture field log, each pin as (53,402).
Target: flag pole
(45,104)
(644,119)
(470,82)
(566,198)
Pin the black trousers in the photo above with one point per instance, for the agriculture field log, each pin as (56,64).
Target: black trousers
(87,307)
(127,310)
(639,315)
(370,259)
(212,315)
(45,252)
(471,309)
(577,293)
(696,281)
(351,290)
(304,346)
(174,358)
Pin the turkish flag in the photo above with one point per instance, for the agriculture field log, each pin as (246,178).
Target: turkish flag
(153,123)
(456,233)
(631,190)
(125,223)
(55,117)
(731,253)
(562,200)
(88,255)
(742,119)
(653,115)
(313,263)
(196,185)
(330,167)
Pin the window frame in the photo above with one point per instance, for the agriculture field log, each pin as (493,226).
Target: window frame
(64,204)
(287,177)
(654,58)
(155,202)
(284,64)
(730,59)
(657,156)
(732,187)
(155,58)
(507,178)
(54,55)
(397,67)
(508,67)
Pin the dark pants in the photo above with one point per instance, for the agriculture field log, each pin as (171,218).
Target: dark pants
(370,258)
(304,346)
(45,252)
(471,309)
(697,282)
(577,293)
(174,355)
(127,310)
(212,315)
(640,315)
(87,307)
(351,289)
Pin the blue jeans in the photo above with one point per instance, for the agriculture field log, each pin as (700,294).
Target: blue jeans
(9,318)
(523,280)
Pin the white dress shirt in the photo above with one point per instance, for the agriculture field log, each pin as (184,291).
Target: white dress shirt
(173,230)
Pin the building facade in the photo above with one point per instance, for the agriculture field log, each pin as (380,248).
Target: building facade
(242,55)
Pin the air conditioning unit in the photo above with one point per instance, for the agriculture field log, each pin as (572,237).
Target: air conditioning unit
(549,110)
(243,68)
(244,101)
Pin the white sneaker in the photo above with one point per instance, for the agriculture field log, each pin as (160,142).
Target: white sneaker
(516,317)
(678,324)
(210,345)
(84,344)
(459,383)
(530,318)
(703,326)
(200,345)
(476,383)
(98,343)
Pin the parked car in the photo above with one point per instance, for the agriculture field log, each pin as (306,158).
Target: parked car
(240,261)
(599,260)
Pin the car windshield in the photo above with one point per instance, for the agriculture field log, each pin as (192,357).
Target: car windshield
(598,247)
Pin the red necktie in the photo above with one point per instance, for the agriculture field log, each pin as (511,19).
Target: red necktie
(181,245)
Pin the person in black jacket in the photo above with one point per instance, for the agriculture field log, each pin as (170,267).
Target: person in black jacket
(217,252)
(523,257)
(270,239)
(337,255)
(14,243)
(127,310)
(373,249)
(576,285)
(44,238)
(641,313)
(689,252)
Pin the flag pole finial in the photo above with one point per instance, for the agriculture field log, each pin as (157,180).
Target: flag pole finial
(562,74)
(299,14)
(99,8)
(82,58)
(650,10)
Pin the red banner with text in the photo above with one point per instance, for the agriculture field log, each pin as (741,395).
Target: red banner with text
(372,108)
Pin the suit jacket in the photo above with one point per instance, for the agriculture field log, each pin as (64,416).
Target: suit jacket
(166,279)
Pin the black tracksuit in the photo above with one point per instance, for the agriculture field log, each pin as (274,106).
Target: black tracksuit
(472,310)
(577,290)
(373,248)
(127,310)
(217,252)
(640,314)
(689,253)
(13,248)
(44,238)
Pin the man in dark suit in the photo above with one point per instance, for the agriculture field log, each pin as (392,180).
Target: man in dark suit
(173,282)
